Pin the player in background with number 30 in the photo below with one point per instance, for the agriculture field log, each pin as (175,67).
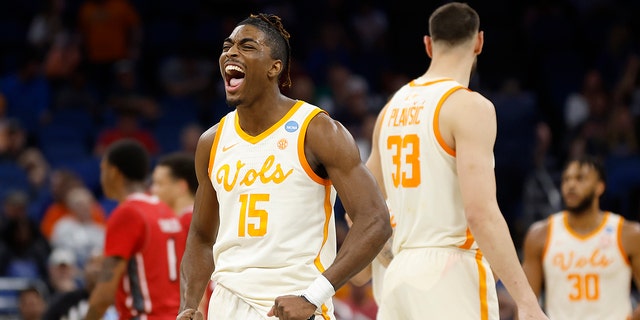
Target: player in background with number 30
(584,258)
(144,242)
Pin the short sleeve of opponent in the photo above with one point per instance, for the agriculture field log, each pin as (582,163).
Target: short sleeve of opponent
(125,232)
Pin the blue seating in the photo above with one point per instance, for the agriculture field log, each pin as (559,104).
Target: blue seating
(12,177)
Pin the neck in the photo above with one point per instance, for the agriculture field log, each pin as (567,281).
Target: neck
(585,221)
(182,203)
(130,189)
(454,64)
(261,115)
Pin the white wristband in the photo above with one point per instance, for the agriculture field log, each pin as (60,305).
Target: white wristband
(319,291)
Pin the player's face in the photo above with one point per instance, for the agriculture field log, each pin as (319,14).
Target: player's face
(579,187)
(163,184)
(244,63)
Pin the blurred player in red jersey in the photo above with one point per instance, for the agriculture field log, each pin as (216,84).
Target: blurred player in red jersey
(174,181)
(144,242)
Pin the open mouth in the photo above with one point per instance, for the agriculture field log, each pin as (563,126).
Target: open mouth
(234,75)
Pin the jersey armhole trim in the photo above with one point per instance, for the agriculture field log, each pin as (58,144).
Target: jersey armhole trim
(214,146)
(623,253)
(301,155)
(436,122)
(547,240)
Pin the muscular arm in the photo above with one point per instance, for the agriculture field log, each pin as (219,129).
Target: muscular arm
(534,243)
(631,244)
(103,294)
(197,263)
(471,123)
(331,145)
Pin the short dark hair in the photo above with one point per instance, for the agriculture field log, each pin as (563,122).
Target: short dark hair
(453,23)
(592,161)
(130,158)
(277,39)
(181,166)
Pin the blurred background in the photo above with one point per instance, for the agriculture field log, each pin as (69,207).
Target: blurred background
(76,75)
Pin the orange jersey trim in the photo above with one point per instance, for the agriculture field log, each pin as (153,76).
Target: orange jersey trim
(436,122)
(301,155)
(414,84)
(467,243)
(565,219)
(482,287)
(253,140)
(624,254)
(328,211)
(214,147)
(548,237)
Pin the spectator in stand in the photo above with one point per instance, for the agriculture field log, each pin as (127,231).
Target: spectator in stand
(185,74)
(14,149)
(63,272)
(129,93)
(27,91)
(111,31)
(189,137)
(23,250)
(77,232)
(13,139)
(46,25)
(73,304)
(32,302)
(61,182)
(63,57)
(127,126)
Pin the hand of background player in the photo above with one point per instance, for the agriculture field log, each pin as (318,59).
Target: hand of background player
(188,314)
(292,308)
(534,313)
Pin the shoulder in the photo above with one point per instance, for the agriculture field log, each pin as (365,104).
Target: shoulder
(536,236)
(464,100)
(326,131)
(539,228)
(209,135)
(630,235)
(205,143)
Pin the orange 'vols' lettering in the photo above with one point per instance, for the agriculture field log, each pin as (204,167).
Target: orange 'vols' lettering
(266,175)
(407,116)
(566,262)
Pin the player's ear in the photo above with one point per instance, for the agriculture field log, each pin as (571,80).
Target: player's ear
(600,188)
(428,45)
(479,43)
(276,68)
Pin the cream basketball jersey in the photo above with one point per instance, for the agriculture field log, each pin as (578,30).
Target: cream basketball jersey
(586,276)
(419,169)
(277,231)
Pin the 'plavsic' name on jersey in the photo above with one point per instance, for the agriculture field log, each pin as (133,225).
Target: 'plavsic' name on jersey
(405,116)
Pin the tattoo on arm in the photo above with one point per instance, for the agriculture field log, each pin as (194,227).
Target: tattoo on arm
(109,263)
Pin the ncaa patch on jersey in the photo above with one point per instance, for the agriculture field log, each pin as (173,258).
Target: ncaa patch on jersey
(291,126)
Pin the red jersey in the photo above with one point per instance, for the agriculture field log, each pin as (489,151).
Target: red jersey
(148,234)
(185,219)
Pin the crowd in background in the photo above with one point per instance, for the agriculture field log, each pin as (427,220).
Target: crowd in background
(76,75)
